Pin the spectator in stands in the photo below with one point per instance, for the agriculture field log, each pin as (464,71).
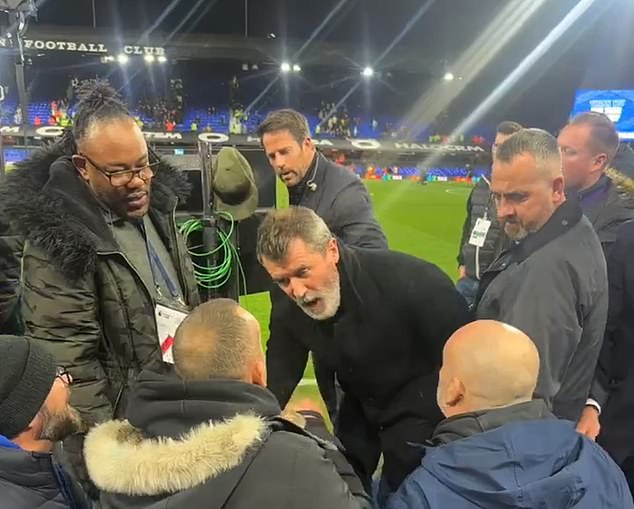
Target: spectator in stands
(616,365)
(499,448)
(52,120)
(551,283)
(483,237)
(212,436)
(37,122)
(102,254)
(17,116)
(34,414)
(377,318)
(339,198)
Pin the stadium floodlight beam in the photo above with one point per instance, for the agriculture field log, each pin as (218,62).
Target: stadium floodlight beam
(297,68)
(449,76)
(149,58)
(162,59)
(367,72)
(285,67)
(122,58)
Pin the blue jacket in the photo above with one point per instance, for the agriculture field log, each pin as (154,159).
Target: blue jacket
(30,480)
(540,463)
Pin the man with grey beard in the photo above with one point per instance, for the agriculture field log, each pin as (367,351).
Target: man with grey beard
(34,414)
(552,282)
(379,319)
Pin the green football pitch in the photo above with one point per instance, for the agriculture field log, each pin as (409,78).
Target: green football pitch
(421,220)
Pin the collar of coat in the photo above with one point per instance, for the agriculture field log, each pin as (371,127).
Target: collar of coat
(472,423)
(46,202)
(567,215)
(355,281)
(121,460)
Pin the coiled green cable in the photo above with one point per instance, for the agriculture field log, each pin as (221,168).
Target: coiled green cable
(218,275)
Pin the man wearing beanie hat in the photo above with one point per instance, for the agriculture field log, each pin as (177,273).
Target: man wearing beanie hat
(34,414)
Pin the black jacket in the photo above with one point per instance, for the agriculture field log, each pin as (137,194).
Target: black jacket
(616,363)
(339,197)
(479,204)
(386,342)
(30,480)
(81,297)
(607,209)
(210,445)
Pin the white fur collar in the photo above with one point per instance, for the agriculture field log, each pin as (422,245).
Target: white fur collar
(121,460)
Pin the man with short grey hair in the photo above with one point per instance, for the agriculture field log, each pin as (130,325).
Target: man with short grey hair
(552,282)
(377,318)
(334,193)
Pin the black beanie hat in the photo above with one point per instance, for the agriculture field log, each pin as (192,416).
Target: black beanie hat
(27,373)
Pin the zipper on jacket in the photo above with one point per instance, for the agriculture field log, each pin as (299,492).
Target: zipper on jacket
(136,272)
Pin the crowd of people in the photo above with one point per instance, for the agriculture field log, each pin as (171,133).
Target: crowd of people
(120,389)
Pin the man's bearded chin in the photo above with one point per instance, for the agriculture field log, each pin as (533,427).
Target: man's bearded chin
(515,231)
(61,425)
(330,300)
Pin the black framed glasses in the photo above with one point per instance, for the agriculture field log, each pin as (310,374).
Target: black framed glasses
(121,178)
(64,375)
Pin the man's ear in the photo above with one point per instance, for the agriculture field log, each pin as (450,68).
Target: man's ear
(80,165)
(601,161)
(333,249)
(258,373)
(455,393)
(559,186)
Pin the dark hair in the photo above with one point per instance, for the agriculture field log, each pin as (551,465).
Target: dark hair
(508,127)
(603,136)
(97,101)
(539,143)
(286,119)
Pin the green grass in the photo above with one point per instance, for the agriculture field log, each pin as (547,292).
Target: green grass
(424,221)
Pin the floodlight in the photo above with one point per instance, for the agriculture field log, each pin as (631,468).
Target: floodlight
(285,67)
(149,58)
(448,76)
(296,68)
(162,59)
(122,58)
(367,72)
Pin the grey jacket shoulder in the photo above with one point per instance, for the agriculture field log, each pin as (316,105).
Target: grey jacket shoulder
(339,197)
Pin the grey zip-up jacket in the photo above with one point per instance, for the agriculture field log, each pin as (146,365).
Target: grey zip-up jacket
(553,286)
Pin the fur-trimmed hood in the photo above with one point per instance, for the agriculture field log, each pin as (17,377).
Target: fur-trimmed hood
(624,183)
(44,199)
(121,460)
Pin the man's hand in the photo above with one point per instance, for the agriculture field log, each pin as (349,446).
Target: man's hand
(294,409)
(462,272)
(588,424)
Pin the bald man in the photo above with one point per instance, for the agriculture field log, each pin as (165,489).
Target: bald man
(552,282)
(498,448)
(222,443)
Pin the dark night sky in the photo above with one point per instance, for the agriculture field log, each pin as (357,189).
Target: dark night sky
(591,55)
